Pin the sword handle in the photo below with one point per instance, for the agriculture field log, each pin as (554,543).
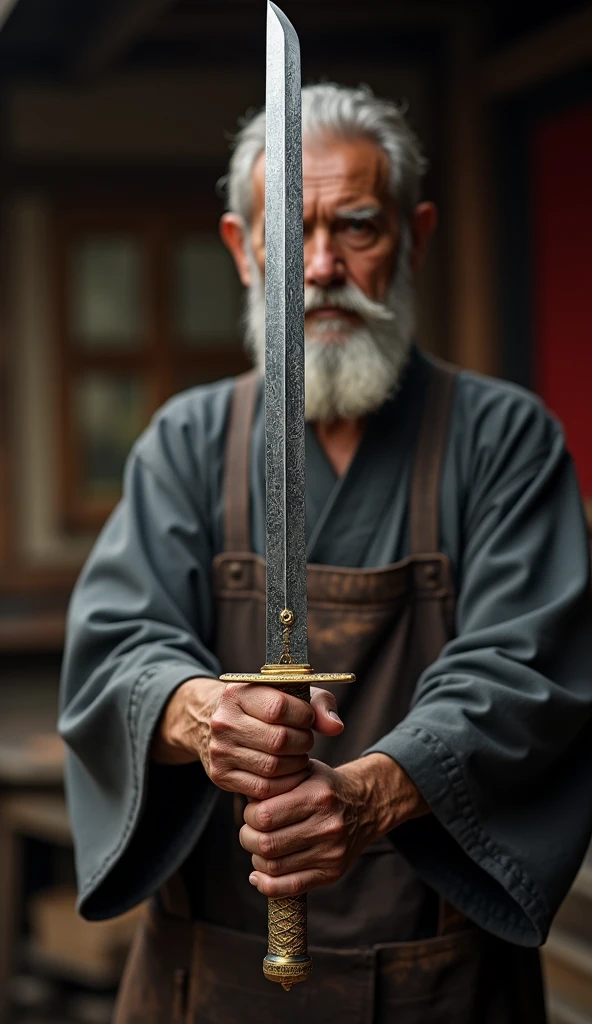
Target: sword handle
(288,960)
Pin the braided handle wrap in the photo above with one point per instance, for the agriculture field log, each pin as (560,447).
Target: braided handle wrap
(288,960)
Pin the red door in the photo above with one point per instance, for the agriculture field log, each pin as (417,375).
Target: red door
(561,169)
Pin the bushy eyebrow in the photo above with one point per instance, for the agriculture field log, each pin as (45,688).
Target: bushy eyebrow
(361,214)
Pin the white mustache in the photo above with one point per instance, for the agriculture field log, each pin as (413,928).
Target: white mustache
(349,298)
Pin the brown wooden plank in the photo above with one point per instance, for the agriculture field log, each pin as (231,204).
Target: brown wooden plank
(36,632)
(563,44)
(38,815)
(123,24)
(122,184)
(236,16)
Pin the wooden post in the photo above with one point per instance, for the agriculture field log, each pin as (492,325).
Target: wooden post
(469,229)
(6,490)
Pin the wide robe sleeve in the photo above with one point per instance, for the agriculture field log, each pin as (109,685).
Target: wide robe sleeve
(138,627)
(498,739)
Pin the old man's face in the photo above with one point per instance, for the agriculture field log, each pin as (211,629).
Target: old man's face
(350,221)
(358,281)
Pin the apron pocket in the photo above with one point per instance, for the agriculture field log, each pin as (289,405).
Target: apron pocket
(228,987)
(444,980)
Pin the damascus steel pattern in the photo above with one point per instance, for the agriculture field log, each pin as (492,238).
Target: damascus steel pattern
(284,341)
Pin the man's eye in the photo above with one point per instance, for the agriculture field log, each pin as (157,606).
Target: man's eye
(360,230)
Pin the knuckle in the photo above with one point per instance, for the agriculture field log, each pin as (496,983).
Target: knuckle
(277,738)
(231,692)
(217,775)
(218,723)
(309,740)
(266,887)
(260,788)
(334,828)
(216,747)
(270,765)
(272,867)
(276,707)
(218,757)
(324,798)
(262,817)
(267,846)
(338,854)
(296,885)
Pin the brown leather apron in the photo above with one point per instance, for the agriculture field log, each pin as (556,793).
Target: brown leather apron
(385,947)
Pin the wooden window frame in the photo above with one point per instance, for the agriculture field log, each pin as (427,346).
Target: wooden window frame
(160,361)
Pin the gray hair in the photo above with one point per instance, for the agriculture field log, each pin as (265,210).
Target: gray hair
(335,110)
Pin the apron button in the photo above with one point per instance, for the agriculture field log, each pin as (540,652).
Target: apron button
(235,570)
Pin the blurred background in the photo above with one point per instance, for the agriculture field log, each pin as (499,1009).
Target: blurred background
(115,293)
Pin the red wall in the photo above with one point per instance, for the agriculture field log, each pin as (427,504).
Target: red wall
(561,175)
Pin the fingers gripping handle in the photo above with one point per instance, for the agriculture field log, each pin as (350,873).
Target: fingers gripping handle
(288,960)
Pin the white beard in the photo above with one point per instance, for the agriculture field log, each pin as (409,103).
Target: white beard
(354,375)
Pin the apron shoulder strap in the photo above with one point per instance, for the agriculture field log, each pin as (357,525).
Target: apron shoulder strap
(237,518)
(424,502)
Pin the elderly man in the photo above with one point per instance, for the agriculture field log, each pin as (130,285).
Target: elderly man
(436,810)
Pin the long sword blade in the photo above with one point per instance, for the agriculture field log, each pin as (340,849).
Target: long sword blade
(284,341)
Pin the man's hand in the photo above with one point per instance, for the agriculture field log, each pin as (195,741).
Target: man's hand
(251,739)
(311,835)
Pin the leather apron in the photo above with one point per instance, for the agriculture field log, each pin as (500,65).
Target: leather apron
(385,947)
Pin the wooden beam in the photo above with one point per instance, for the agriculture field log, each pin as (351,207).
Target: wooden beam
(6,9)
(233,18)
(123,25)
(191,182)
(558,47)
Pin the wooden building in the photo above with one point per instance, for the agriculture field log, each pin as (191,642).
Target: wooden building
(115,291)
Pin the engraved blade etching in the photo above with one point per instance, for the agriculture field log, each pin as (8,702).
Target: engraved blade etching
(284,341)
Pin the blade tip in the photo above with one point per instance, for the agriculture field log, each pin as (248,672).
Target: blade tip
(276,12)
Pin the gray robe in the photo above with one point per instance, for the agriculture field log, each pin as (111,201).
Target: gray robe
(499,737)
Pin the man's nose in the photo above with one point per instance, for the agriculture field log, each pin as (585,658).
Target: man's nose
(323,264)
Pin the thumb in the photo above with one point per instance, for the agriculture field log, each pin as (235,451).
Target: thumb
(324,705)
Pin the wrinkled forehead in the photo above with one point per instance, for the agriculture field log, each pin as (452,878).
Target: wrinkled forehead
(336,173)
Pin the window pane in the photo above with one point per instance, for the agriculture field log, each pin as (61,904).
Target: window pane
(110,412)
(106,292)
(206,293)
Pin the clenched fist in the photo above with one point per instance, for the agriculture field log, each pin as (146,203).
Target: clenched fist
(251,739)
(310,836)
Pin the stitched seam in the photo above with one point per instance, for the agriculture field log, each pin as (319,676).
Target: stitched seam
(479,841)
(100,873)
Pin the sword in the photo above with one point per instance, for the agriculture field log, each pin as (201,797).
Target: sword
(288,960)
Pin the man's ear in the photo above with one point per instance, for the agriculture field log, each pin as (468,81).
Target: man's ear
(423,225)
(232,233)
